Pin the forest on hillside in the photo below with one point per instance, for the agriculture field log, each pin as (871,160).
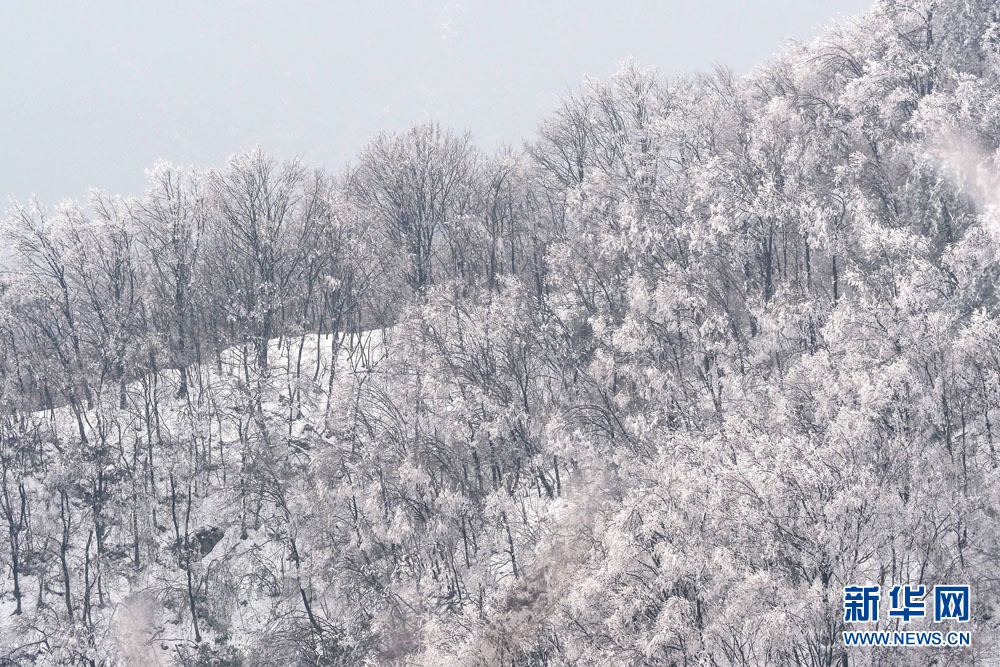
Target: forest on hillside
(650,389)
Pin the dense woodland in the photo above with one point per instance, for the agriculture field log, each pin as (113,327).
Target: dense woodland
(649,390)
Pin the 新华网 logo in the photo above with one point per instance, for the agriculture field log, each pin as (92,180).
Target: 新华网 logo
(951,603)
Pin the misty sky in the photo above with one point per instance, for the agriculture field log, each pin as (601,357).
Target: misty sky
(92,93)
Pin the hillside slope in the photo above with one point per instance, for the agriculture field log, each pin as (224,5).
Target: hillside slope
(652,391)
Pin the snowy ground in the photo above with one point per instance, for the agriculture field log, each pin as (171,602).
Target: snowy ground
(140,610)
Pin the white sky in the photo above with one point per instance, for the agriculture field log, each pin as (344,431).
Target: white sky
(93,92)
